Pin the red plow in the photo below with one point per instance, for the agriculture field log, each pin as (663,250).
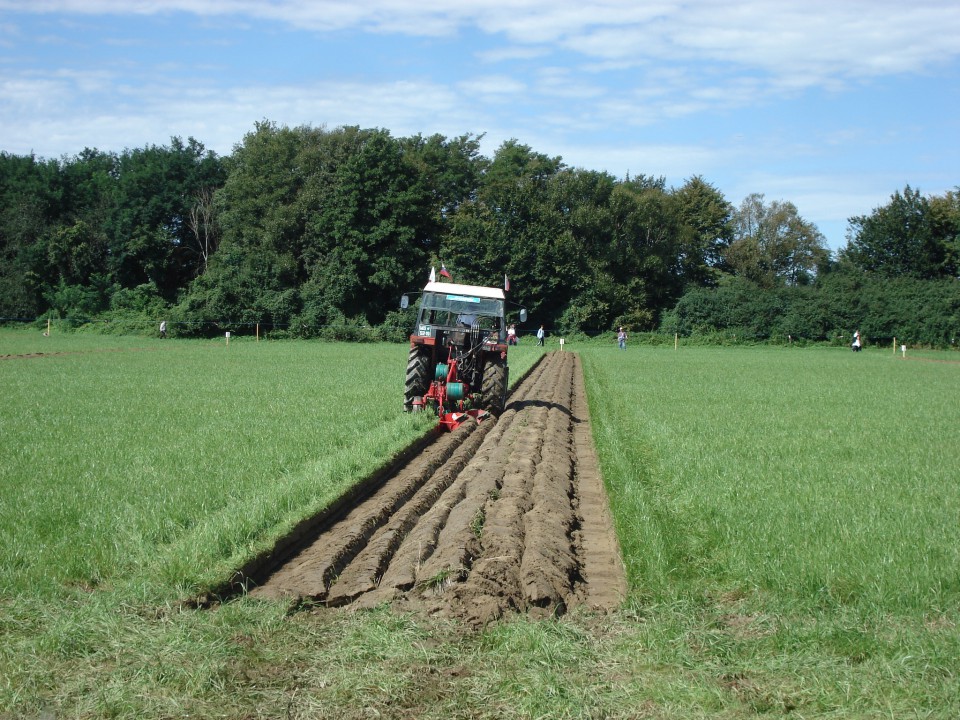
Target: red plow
(452,398)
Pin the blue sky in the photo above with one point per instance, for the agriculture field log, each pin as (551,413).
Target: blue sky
(832,106)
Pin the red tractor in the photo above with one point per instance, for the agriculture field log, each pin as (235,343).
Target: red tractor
(458,353)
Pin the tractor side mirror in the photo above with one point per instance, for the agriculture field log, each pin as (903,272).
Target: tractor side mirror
(523,315)
(404,302)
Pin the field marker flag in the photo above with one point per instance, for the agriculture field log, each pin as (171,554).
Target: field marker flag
(506,284)
(433,274)
(443,270)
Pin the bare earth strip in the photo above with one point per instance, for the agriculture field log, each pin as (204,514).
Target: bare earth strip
(494,518)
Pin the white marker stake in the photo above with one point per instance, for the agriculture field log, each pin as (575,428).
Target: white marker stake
(561,344)
(228,339)
(903,349)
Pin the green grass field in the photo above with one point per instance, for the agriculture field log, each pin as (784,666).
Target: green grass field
(817,477)
(789,518)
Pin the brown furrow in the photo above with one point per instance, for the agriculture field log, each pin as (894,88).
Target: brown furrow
(515,519)
(310,573)
(549,562)
(364,570)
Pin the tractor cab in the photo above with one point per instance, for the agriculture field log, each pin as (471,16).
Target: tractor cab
(449,308)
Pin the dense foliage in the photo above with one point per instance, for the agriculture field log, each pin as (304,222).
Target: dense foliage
(318,232)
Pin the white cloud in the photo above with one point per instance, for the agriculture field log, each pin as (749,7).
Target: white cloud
(492,86)
(513,52)
(720,55)
(560,82)
(815,39)
(44,114)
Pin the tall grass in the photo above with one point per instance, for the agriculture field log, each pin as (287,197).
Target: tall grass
(819,476)
(789,519)
(172,464)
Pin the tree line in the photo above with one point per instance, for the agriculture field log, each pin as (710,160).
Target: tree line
(317,232)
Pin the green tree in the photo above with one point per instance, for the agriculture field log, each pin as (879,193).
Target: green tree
(338,223)
(772,244)
(30,198)
(897,239)
(75,253)
(513,228)
(152,240)
(89,187)
(705,230)
(69,260)
(373,223)
(449,171)
(255,274)
(945,227)
(590,296)
(643,257)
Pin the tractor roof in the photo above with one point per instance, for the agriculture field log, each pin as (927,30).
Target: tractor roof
(471,290)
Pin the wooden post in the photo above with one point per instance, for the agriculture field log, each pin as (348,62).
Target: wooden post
(894,347)
(47,334)
(258,332)
(676,340)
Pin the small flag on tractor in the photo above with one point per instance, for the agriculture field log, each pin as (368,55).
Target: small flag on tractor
(506,284)
(433,274)
(443,270)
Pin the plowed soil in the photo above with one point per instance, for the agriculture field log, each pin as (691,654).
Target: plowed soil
(500,517)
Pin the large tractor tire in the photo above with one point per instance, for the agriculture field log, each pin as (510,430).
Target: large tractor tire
(418,377)
(494,386)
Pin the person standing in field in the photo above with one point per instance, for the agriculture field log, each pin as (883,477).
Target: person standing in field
(163,328)
(621,338)
(512,335)
(540,336)
(856,341)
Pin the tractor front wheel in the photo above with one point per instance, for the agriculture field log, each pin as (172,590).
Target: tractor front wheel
(418,377)
(494,387)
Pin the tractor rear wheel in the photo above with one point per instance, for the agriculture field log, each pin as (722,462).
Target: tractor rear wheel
(494,386)
(418,377)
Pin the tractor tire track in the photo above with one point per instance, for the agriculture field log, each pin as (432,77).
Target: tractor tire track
(505,516)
